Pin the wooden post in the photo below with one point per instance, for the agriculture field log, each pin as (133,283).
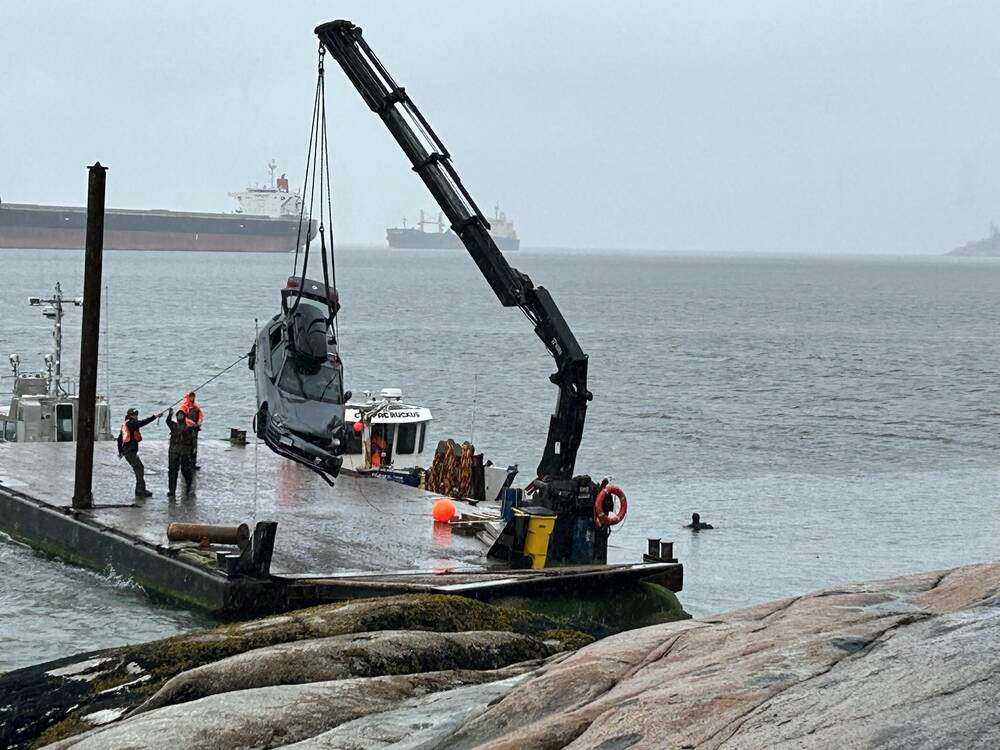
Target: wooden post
(89,338)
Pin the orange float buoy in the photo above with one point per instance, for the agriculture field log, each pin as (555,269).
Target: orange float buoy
(359,426)
(443,510)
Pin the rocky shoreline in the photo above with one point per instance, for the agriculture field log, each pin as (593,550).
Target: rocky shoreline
(396,646)
(903,662)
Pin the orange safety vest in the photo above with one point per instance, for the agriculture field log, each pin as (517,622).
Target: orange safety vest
(128,435)
(193,411)
(378,445)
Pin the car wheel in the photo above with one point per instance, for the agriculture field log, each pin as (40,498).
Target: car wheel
(260,421)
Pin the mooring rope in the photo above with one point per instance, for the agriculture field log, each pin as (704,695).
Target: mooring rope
(217,375)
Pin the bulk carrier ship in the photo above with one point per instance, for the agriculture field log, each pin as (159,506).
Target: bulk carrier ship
(267,220)
(501,230)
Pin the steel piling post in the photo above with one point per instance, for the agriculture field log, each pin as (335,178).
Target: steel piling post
(90,337)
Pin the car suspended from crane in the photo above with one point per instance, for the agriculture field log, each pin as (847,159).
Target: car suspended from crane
(295,360)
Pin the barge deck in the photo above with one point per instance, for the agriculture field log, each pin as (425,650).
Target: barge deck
(363,537)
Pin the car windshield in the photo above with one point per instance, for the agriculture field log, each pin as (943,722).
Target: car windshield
(310,381)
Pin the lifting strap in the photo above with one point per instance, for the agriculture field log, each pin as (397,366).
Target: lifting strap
(317,179)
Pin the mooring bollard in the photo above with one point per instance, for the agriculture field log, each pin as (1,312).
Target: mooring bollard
(207,534)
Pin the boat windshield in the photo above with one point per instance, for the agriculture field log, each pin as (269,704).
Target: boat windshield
(309,381)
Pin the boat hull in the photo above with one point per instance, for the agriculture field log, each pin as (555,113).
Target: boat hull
(31,227)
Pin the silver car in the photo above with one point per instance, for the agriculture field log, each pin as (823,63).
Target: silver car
(300,379)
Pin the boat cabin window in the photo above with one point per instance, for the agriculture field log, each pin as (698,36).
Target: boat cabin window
(406,439)
(9,428)
(353,444)
(385,433)
(309,381)
(423,428)
(64,423)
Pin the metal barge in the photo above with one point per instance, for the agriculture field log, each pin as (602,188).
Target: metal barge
(311,544)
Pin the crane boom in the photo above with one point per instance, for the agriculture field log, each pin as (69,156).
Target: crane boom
(431,160)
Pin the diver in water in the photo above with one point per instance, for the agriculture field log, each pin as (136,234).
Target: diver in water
(697,524)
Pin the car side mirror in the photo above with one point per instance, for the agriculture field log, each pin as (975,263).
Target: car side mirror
(347,395)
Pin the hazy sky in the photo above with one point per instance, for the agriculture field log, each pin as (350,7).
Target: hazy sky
(737,126)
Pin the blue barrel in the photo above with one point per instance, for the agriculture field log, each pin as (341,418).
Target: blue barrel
(583,542)
(511,499)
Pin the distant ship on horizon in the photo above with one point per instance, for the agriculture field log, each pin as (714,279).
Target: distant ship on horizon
(267,220)
(501,230)
(987,248)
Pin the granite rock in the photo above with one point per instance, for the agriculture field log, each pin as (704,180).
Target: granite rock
(909,662)
(344,656)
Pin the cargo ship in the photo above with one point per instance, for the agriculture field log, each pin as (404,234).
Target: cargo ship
(438,238)
(267,220)
(986,248)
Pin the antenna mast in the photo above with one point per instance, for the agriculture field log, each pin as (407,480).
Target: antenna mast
(54,310)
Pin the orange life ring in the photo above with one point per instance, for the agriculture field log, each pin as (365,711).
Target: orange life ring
(603,518)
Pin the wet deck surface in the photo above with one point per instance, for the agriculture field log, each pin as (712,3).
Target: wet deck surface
(357,525)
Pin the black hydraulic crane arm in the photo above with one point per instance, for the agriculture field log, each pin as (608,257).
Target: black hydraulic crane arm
(431,160)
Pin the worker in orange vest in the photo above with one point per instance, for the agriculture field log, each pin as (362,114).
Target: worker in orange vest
(378,449)
(195,416)
(182,433)
(129,438)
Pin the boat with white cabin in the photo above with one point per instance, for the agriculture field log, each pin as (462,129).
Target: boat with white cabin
(44,406)
(397,429)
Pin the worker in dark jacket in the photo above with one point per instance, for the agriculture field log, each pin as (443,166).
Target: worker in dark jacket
(195,416)
(180,454)
(129,438)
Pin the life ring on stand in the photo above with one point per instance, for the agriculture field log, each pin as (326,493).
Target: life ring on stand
(601,516)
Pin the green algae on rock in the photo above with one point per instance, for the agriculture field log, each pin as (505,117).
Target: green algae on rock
(341,657)
(603,614)
(46,706)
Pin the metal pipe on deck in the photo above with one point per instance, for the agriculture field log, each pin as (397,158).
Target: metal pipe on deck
(90,332)
(202,532)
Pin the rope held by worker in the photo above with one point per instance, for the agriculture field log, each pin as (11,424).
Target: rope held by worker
(217,375)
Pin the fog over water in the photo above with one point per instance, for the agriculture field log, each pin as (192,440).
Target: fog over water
(775,126)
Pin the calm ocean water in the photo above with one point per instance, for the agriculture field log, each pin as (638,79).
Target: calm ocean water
(835,418)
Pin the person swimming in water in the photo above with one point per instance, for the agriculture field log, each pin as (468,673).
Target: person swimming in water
(697,524)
